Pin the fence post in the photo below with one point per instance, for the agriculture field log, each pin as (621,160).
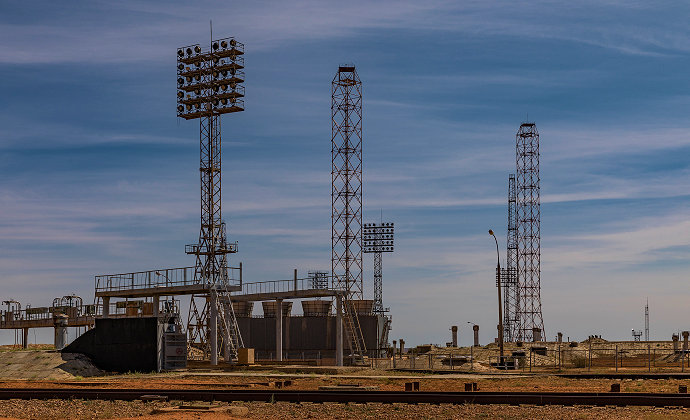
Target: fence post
(616,358)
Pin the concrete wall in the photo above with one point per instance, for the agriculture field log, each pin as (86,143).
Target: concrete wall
(120,344)
(313,335)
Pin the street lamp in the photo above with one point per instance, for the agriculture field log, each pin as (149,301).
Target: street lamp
(500,308)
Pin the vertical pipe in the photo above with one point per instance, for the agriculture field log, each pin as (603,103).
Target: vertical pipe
(295,280)
(339,330)
(279,330)
(106,306)
(213,327)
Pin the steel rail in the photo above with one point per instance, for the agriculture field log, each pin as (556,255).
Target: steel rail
(356,396)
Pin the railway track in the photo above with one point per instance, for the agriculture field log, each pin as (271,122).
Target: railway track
(356,396)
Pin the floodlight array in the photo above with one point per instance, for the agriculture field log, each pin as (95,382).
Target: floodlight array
(378,237)
(210,82)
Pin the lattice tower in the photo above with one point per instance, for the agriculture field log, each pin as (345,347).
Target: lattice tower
(511,296)
(346,176)
(346,200)
(209,85)
(378,238)
(528,231)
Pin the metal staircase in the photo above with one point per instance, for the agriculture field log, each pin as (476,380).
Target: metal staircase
(353,332)
(231,338)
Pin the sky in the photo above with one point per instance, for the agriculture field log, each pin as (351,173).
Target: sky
(98,176)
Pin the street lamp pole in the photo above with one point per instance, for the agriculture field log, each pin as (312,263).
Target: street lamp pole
(500,306)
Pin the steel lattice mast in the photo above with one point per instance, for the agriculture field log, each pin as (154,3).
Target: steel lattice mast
(511,297)
(346,176)
(346,200)
(378,238)
(528,231)
(209,85)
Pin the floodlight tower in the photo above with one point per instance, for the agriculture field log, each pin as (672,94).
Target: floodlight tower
(646,321)
(378,238)
(209,84)
(528,231)
(511,296)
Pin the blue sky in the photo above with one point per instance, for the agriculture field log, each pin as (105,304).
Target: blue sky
(97,175)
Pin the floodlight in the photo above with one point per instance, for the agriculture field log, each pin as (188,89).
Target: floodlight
(206,74)
(180,53)
(180,108)
(180,94)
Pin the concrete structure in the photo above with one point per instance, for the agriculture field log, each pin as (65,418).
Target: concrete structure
(560,337)
(674,337)
(316,307)
(61,322)
(475,328)
(685,341)
(536,334)
(454,335)
(310,337)
(145,344)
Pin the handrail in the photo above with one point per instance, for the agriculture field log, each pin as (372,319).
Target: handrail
(169,277)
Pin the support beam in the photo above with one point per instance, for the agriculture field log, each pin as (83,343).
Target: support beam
(279,330)
(213,327)
(25,338)
(106,306)
(156,305)
(338,331)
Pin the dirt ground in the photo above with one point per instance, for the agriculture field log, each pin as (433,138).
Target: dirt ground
(391,383)
(79,409)
(82,409)
(43,369)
